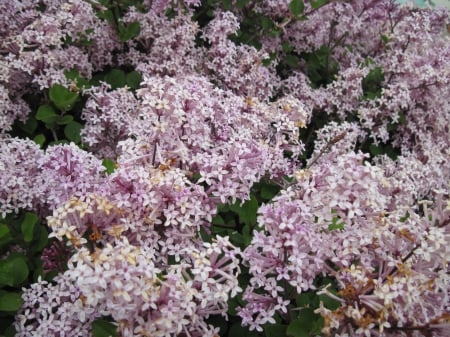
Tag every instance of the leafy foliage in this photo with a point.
(18, 269)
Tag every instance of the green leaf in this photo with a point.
(4, 230)
(287, 48)
(218, 322)
(109, 165)
(10, 301)
(304, 325)
(267, 23)
(134, 80)
(107, 15)
(237, 239)
(63, 120)
(5, 236)
(321, 67)
(247, 232)
(305, 299)
(10, 331)
(74, 75)
(41, 242)
(291, 60)
(385, 38)
(296, 7)
(218, 220)
(336, 223)
(116, 78)
(246, 212)
(226, 4)
(242, 3)
(27, 226)
(275, 330)
(104, 328)
(13, 270)
(329, 302)
(405, 217)
(39, 139)
(268, 191)
(29, 126)
(130, 31)
(375, 150)
(238, 330)
(72, 132)
(318, 3)
(46, 114)
(62, 97)
(372, 84)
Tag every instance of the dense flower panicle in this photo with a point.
(22, 12)
(154, 212)
(412, 178)
(20, 182)
(12, 109)
(191, 125)
(123, 281)
(38, 49)
(164, 46)
(380, 260)
(69, 172)
(160, 206)
(108, 116)
(234, 67)
(55, 309)
(300, 222)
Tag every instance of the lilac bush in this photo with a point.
(268, 168)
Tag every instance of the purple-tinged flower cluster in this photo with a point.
(54, 309)
(20, 183)
(108, 115)
(137, 285)
(188, 123)
(390, 264)
(212, 118)
(67, 172)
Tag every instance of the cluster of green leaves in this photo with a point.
(55, 119)
(239, 220)
(22, 239)
(57, 112)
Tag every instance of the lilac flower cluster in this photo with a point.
(137, 284)
(356, 235)
(54, 309)
(20, 182)
(212, 118)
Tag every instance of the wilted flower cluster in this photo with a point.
(344, 108)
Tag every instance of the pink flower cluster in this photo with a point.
(212, 118)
